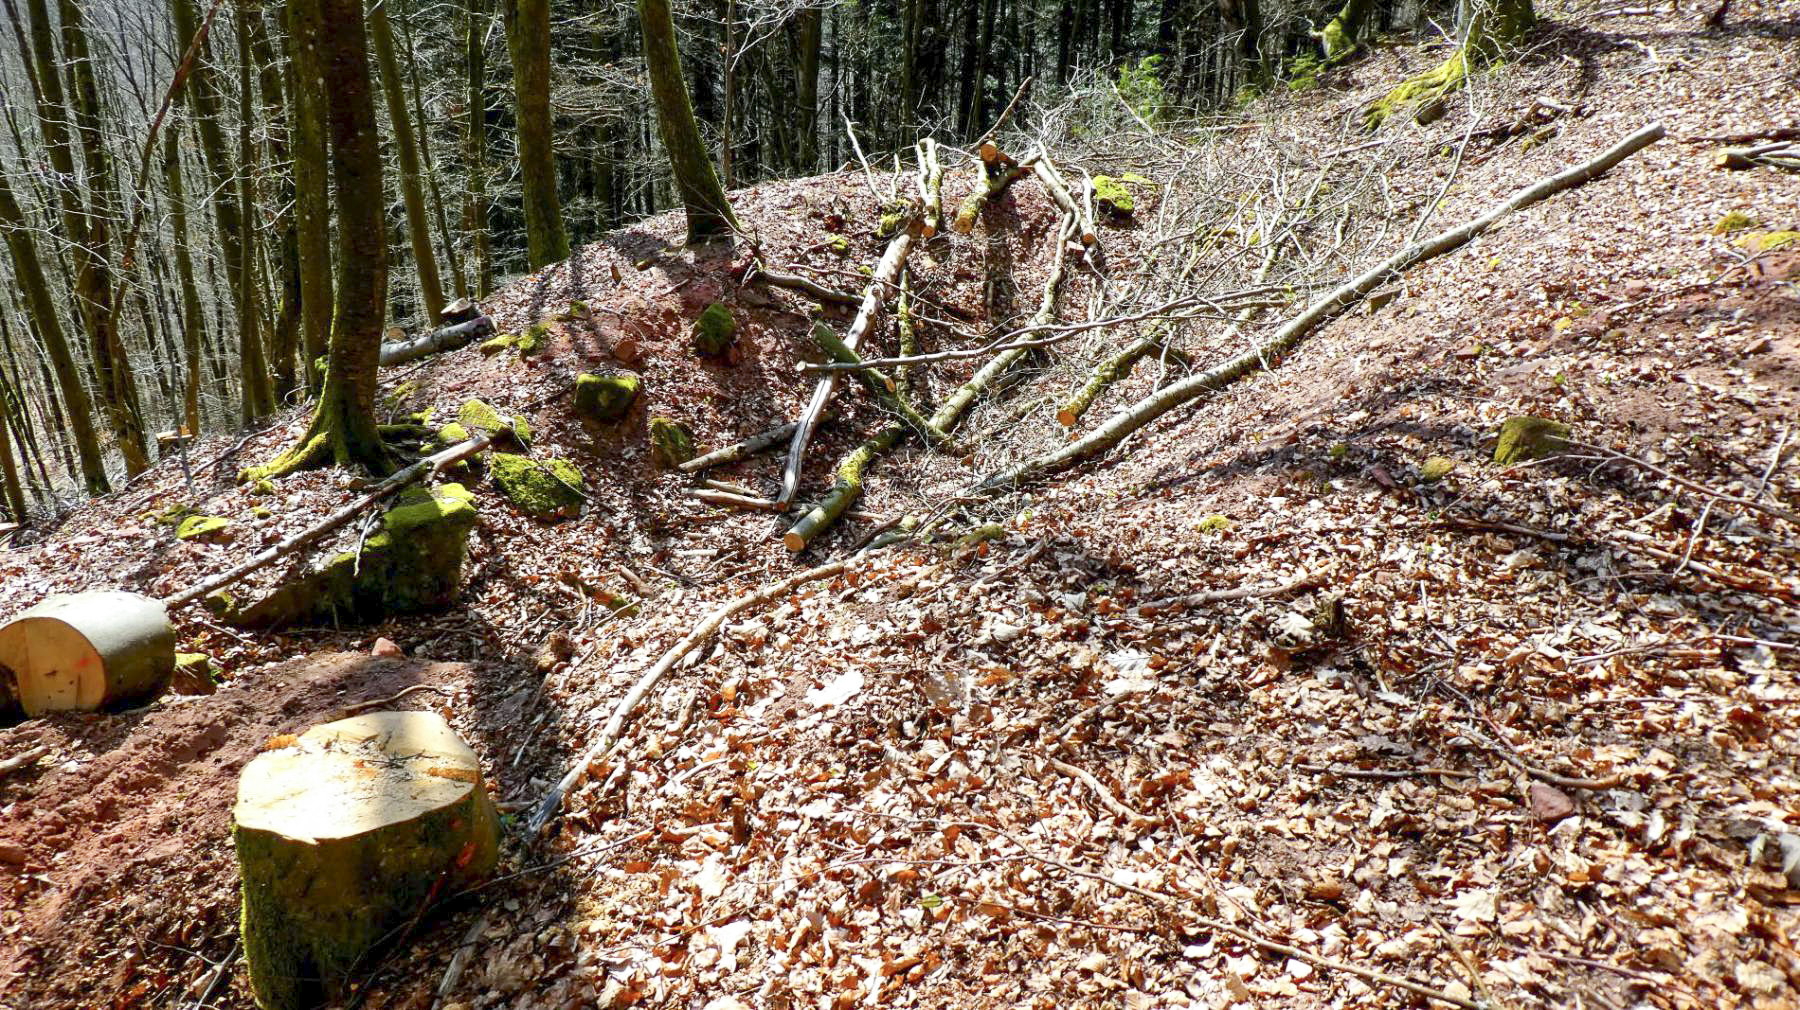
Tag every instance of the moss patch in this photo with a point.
(1436, 468)
(193, 674)
(1769, 241)
(605, 397)
(1733, 222)
(714, 331)
(534, 340)
(838, 244)
(1524, 437)
(497, 344)
(477, 415)
(414, 563)
(1214, 523)
(545, 489)
(194, 527)
(671, 442)
(1112, 196)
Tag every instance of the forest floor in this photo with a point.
(1014, 773)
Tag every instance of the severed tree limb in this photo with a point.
(931, 188)
(887, 270)
(881, 387)
(908, 333)
(1783, 155)
(447, 339)
(1129, 420)
(738, 450)
(996, 173)
(1059, 192)
(548, 807)
(1112, 370)
(424, 469)
(795, 282)
(18, 761)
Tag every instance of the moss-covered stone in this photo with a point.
(1769, 241)
(534, 340)
(1436, 468)
(544, 489)
(1733, 222)
(605, 397)
(477, 415)
(452, 433)
(714, 331)
(414, 563)
(194, 527)
(1214, 523)
(1525, 437)
(260, 512)
(494, 345)
(1112, 196)
(671, 442)
(193, 674)
(837, 244)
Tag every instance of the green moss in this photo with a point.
(605, 397)
(1338, 451)
(259, 512)
(194, 527)
(452, 433)
(543, 489)
(174, 514)
(1769, 241)
(979, 535)
(838, 244)
(1436, 468)
(413, 563)
(1427, 87)
(397, 396)
(1113, 196)
(671, 443)
(1524, 437)
(714, 331)
(494, 345)
(477, 415)
(1214, 523)
(193, 674)
(534, 340)
(580, 310)
(1733, 221)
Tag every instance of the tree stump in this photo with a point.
(345, 836)
(87, 650)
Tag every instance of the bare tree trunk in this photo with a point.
(708, 210)
(312, 199)
(528, 34)
(477, 209)
(418, 226)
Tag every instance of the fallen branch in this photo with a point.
(1106, 798)
(610, 733)
(931, 188)
(1783, 155)
(18, 761)
(738, 450)
(459, 961)
(879, 386)
(1132, 418)
(1752, 504)
(423, 469)
(447, 339)
(886, 271)
(1059, 192)
(396, 697)
(997, 172)
(1110, 371)
(795, 282)
(1306, 581)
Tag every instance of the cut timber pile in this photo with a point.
(345, 836)
(85, 651)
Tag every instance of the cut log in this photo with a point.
(1110, 371)
(931, 188)
(460, 311)
(85, 651)
(738, 450)
(997, 172)
(1059, 191)
(346, 836)
(449, 338)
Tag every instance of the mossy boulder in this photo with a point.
(1436, 468)
(605, 397)
(535, 340)
(193, 674)
(1769, 241)
(671, 442)
(495, 345)
(1113, 196)
(477, 415)
(714, 331)
(545, 489)
(413, 564)
(452, 433)
(1525, 437)
(1733, 222)
(195, 527)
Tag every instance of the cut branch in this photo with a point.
(996, 173)
(738, 450)
(794, 282)
(447, 339)
(1132, 418)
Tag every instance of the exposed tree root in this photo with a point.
(1129, 420)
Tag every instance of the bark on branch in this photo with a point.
(437, 341)
(1129, 420)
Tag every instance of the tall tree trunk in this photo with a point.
(28, 272)
(476, 143)
(412, 192)
(810, 24)
(193, 317)
(9, 471)
(708, 211)
(1343, 32)
(528, 36)
(312, 198)
(284, 342)
(343, 429)
(258, 397)
(965, 96)
(457, 276)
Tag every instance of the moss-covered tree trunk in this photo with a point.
(1343, 32)
(312, 197)
(475, 140)
(344, 430)
(28, 272)
(1490, 28)
(708, 210)
(406, 145)
(528, 38)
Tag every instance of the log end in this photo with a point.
(1067, 416)
(794, 542)
(84, 651)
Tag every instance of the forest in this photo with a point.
(945, 503)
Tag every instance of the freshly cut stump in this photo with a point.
(87, 650)
(345, 835)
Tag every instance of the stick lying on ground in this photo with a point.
(738, 450)
(447, 339)
(1129, 420)
(609, 734)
